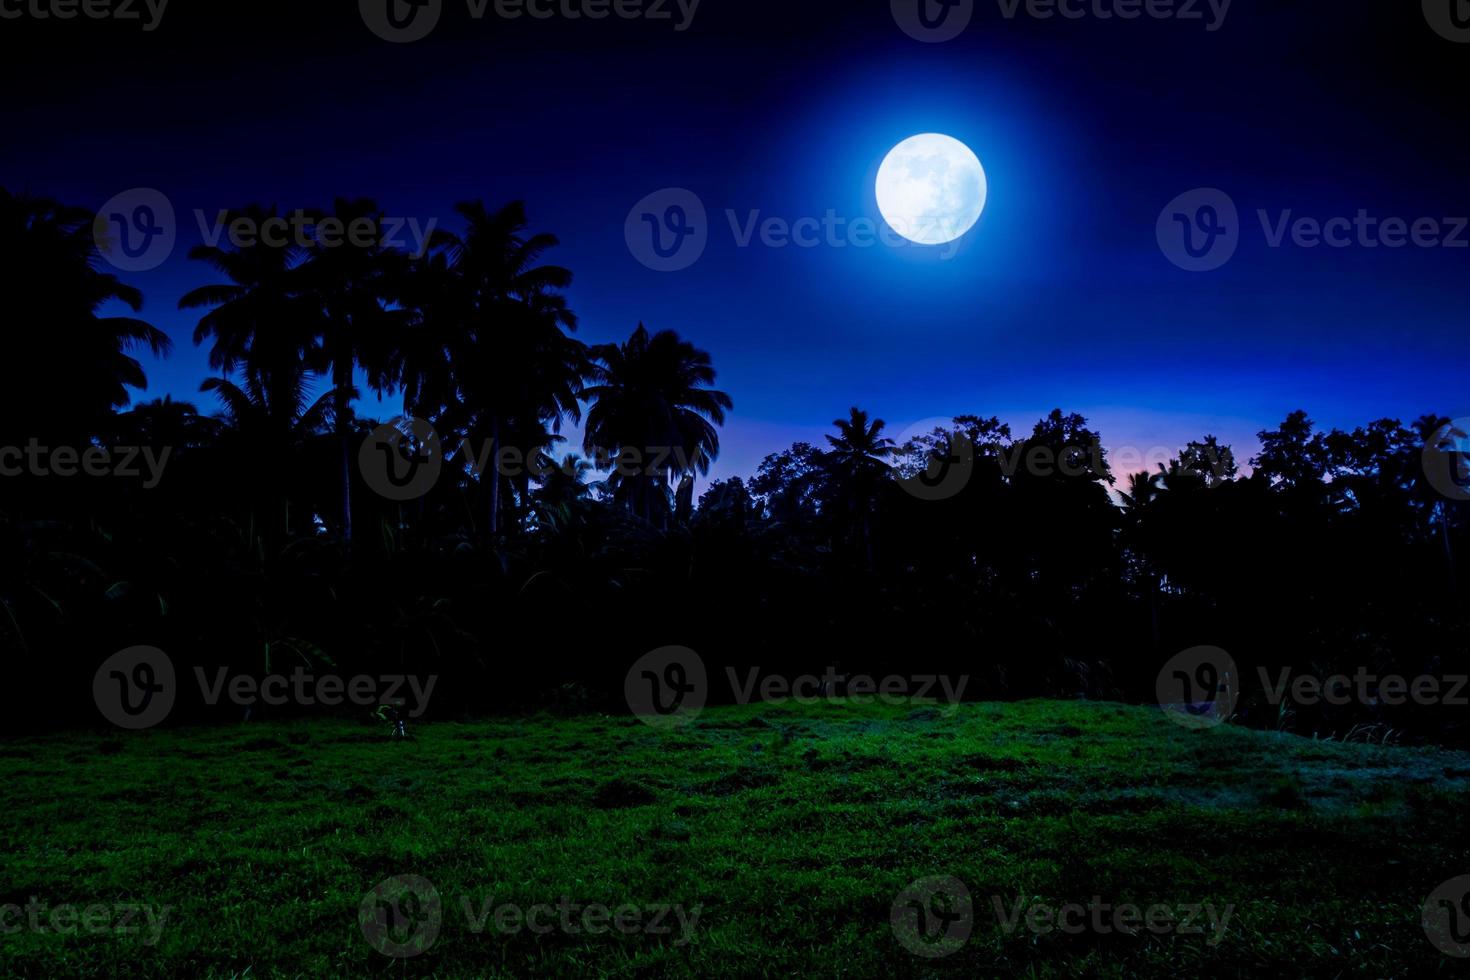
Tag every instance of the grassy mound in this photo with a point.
(775, 840)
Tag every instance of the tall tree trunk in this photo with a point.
(1153, 609)
(492, 471)
(1449, 554)
(342, 378)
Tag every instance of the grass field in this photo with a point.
(777, 840)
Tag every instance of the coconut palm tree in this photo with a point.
(488, 355)
(54, 291)
(165, 422)
(268, 423)
(565, 480)
(857, 464)
(259, 320)
(348, 284)
(650, 403)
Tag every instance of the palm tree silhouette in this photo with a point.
(650, 396)
(565, 481)
(269, 422)
(1434, 430)
(858, 463)
(165, 422)
(348, 284)
(53, 292)
(259, 320)
(488, 354)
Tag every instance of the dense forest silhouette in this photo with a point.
(262, 547)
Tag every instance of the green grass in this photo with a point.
(792, 829)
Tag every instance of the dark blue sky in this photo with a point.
(1061, 296)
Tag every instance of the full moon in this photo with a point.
(931, 189)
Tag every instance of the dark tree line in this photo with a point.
(262, 548)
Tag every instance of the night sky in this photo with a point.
(1060, 297)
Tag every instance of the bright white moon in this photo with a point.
(931, 189)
